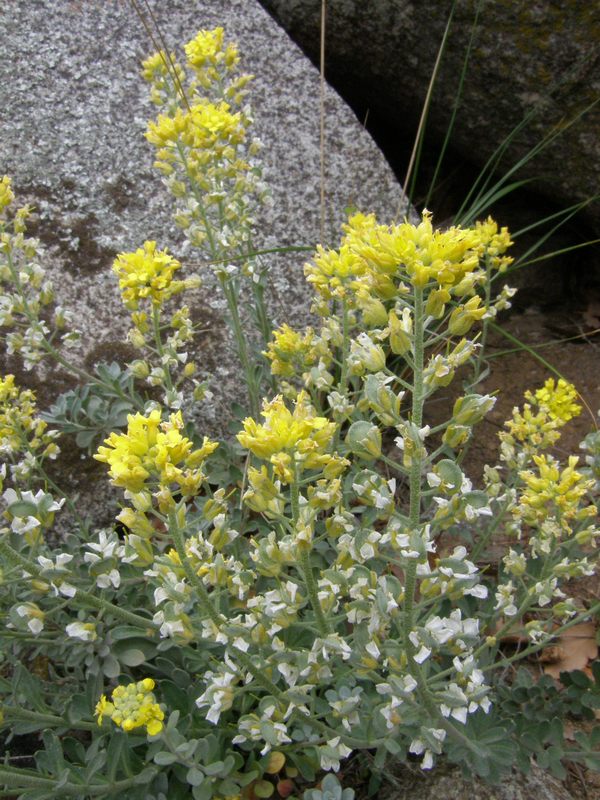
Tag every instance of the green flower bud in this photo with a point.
(139, 369)
(463, 316)
(400, 332)
(381, 399)
(364, 440)
(365, 355)
(436, 303)
(373, 312)
(472, 408)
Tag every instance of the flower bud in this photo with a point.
(136, 338)
(472, 408)
(60, 319)
(456, 436)
(364, 440)
(463, 316)
(373, 311)
(86, 631)
(400, 332)
(436, 303)
(139, 369)
(381, 399)
(365, 355)
(29, 614)
(138, 551)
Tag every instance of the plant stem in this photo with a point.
(415, 469)
(159, 346)
(203, 596)
(226, 284)
(483, 540)
(242, 347)
(305, 565)
(486, 321)
(415, 485)
(345, 342)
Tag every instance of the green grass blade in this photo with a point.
(525, 347)
(546, 256)
(455, 107)
(551, 343)
(422, 122)
(575, 207)
(492, 196)
(490, 167)
(536, 246)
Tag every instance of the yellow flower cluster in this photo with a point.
(155, 67)
(154, 450)
(205, 126)
(495, 243)
(208, 48)
(552, 492)
(537, 426)
(287, 438)
(291, 352)
(133, 706)
(202, 140)
(6, 192)
(21, 430)
(374, 260)
(558, 399)
(147, 274)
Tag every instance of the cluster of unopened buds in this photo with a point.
(27, 296)
(202, 137)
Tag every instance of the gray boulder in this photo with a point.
(541, 53)
(73, 111)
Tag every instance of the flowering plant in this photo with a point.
(263, 623)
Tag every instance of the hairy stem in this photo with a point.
(306, 568)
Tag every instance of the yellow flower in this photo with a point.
(147, 274)
(203, 127)
(154, 449)
(373, 260)
(551, 491)
(6, 192)
(494, 244)
(291, 353)
(21, 429)
(537, 426)
(558, 399)
(133, 706)
(332, 272)
(207, 49)
(299, 435)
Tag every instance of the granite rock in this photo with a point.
(73, 111)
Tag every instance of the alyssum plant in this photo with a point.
(272, 618)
